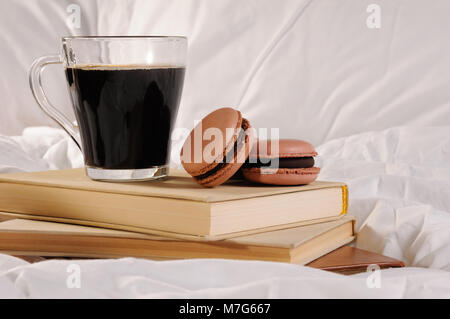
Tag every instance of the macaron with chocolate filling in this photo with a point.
(217, 147)
(292, 164)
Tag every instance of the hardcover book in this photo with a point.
(298, 245)
(349, 260)
(176, 207)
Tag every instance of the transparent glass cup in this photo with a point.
(125, 93)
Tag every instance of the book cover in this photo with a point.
(176, 207)
(294, 245)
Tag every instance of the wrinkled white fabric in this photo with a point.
(39, 148)
(213, 278)
(309, 67)
(399, 182)
(399, 185)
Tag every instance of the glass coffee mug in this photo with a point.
(125, 93)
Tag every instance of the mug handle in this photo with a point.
(39, 95)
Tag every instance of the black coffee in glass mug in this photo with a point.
(125, 93)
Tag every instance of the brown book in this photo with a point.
(350, 260)
(177, 207)
(297, 245)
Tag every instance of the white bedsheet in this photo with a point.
(310, 67)
(399, 181)
(399, 184)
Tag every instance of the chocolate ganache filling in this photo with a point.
(231, 155)
(294, 162)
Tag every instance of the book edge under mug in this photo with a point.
(23, 178)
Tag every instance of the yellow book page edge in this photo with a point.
(344, 199)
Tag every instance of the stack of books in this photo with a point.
(64, 213)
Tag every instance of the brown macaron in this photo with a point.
(291, 164)
(217, 147)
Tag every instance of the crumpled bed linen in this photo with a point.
(399, 183)
(209, 278)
